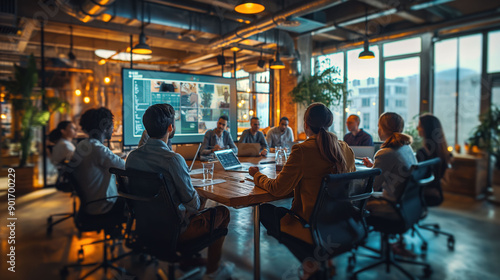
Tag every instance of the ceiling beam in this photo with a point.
(403, 14)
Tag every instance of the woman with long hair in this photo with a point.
(62, 137)
(394, 158)
(434, 142)
(321, 154)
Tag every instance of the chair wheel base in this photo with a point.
(427, 272)
(451, 243)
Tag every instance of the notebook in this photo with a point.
(248, 149)
(230, 162)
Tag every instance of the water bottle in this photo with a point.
(280, 159)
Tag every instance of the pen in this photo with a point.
(267, 162)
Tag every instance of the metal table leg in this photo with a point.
(256, 242)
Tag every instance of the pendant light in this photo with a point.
(142, 47)
(366, 53)
(278, 64)
(249, 7)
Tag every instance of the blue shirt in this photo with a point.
(155, 156)
(361, 139)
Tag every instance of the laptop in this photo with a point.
(230, 162)
(363, 151)
(188, 152)
(248, 149)
(199, 170)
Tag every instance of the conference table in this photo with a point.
(239, 192)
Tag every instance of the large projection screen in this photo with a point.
(198, 101)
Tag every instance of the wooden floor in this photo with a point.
(476, 226)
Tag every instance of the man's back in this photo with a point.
(155, 156)
(91, 162)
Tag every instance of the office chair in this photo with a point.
(433, 197)
(337, 223)
(110, 223)
(409, 208)
(157, 223)
(63, 186)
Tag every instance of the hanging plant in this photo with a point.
(324, 87)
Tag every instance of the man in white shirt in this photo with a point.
(281, 135)
(92, 160)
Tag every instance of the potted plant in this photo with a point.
(324, 87)
(486, 137)
(28, 111)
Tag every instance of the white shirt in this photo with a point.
(219, 140)
(91, 162)
(275, 138)
(62, 150)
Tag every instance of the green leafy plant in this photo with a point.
(486, 136)
(27, 105)
(324, 87)
(413, 132)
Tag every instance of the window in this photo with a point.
(372, 90)
(403, 76)
(371, 81)
(400, 103)
(387, 90)
(366, 121)
(362, 70)
(401, 47)
(400, 90)
(365, 102)
(321, 63)
(458, 107)
(493, 53)
(355, 83)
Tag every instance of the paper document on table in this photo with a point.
(201, 183)
(196, 171)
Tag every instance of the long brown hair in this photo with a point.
(434, 139)
(393, 124)
(319, 118)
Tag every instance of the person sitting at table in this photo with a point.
(62, 137)
(218, 138)
(434, 142)
(281, 135)
(356, 136)
(155, 156)
(394, 158)
(92, 160)
(254, 135)
(321, 154)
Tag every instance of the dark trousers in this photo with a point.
(199, 225)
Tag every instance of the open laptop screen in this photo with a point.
(194, 159)
(227, 159)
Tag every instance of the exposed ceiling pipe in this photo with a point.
(85, 11)
(271, 21)
(488, 16)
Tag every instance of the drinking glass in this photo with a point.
(208, 171)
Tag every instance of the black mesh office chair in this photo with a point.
(111, 223)
(409, 208)
(62, 186)
(433, 197)
(157, 223)
(337, 223)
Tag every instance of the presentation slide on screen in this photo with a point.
(198, 102)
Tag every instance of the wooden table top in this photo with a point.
(237, 192)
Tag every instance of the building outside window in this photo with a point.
(366, 121)
(365, 102)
